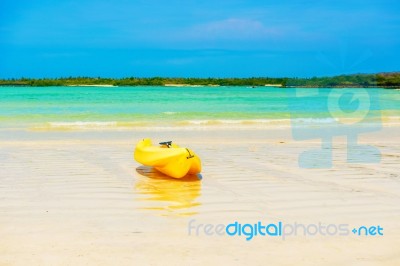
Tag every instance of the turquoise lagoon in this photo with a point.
(129, 107)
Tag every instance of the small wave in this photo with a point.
(237, 122)
(326, 120)
(170, 113)
(82, 124)
(193, 124)
(334, 123)
(162, 124)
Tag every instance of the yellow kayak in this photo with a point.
(168, 158)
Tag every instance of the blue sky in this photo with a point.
(209, 38)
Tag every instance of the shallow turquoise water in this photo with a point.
(164, 105)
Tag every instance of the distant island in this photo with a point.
(386, 80)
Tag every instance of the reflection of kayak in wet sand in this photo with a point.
(165, 195)
(168, 158)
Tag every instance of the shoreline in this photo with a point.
(92, 85)
(189, 85)
(197, 124)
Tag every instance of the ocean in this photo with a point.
(132, 107)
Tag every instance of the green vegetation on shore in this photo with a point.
(390, 80)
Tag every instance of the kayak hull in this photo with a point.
(173, 160)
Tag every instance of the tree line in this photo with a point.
(357, 80)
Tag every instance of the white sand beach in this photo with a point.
(79, 198)
(93, 85)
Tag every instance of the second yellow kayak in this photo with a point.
(168, 158)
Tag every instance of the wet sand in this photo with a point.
(78, 198)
